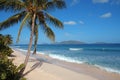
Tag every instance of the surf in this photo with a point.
(75, 49)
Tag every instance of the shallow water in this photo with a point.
(104, 56)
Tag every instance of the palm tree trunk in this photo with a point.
(30, 44)
(31, 39)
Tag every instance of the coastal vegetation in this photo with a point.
(8, 71)
(4, 42)
(34, 14)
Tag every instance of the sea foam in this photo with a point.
(75, 49)
(107, 69)
(63, 58)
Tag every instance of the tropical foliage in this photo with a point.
(9, 71)
(34, 14)
(5, 50)
(4, 42)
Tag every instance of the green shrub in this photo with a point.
(9, 71)
(5, 40)
(5, 50)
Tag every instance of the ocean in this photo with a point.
(103, 56)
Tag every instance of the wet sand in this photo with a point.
(47, 68)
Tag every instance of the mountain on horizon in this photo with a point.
(70, 42)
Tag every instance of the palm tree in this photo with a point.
(7, 40)
(35, 14)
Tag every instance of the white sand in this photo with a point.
(46, 71)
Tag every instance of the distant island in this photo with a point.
(79, 42)
(101, 43)
(70, 42)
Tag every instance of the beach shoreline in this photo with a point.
(76, 69)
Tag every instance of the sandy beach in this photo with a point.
(46, 68)
(67, 39)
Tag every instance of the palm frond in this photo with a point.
(41, 17)
(55, 4)
(59, 4)
(40, 3)
(12, 20)
(54, 21)
(48, 31)
(11, 5)
(22, 24)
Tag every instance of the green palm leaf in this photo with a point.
(59, 3)
(11, 5)
(12, 20)
(48, 31)
(55, 4)
(54, 21)
(22, 24)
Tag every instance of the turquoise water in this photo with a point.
(104, 56)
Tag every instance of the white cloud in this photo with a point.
(70, 22)
(81, 22)
(106, 15)
(74, 2)
(100, 1)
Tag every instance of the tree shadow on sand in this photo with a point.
(38, 63)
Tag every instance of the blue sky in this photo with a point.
(84, 20)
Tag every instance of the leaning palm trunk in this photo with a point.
(30, 44)
(34, 13)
